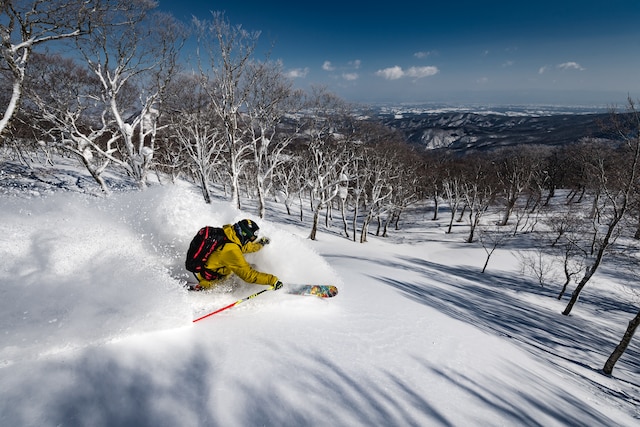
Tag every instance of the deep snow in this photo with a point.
(97, 331)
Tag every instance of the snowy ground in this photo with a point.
(96, 330)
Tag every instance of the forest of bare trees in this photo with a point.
(101, 81)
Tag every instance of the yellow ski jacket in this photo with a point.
(230, 259)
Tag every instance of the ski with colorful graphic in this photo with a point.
(322, 291)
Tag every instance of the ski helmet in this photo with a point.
(246, 230)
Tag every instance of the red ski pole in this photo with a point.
(234, 304)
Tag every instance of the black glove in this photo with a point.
(277, 286)
(264, 241)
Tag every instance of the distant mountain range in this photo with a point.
(465, 130)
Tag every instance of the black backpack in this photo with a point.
(203, 244)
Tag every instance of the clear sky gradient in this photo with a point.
(563, 52)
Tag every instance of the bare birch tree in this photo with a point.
(133, 52)
(225, 52)
(567, 234)
(64, 94)
(28, 24)
(288, 181)
(405, 191)
(193, 127)
(270, 100)
(622, 345)
(515, 169)
(492, 237)
(327, 148)
(616, 175)
(453, 189)
(380, 174)
(478, 190)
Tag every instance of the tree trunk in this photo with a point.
(454, 208)
(355, 220)
(552, 192)
(567, 275)
(436, 207)
(564, 289)
(314, 225)
(511, 203)
(486, 263)
(464, 209)
(16, 94)
(343, 208)
(205, 188)
(301, 203)
(397, 220)
(97, 176)
(577, 290)
(327, 215)
(235, 184)
(262, 205)
(622, 346)
(473, 222)
(387, 222)
(364, 231)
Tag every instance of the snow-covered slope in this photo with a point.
(96, 330)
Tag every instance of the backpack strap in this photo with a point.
(209, 275)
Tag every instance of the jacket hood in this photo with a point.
(230, 231)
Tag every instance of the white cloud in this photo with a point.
(543, 69)
(422, 54)
(396, 72)
(297, 73)
(508, 64)
(420, 72)
(391, 73)
(327, 66)
(350, 76)
(351, 65)
(570, 66)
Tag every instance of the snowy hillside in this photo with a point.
(96, 329)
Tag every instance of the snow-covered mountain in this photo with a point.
(485, 130)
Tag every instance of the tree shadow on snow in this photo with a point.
(45, 179)
(103, 388)
(522, 408)
(492, 302)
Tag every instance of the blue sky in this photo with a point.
(563, 52)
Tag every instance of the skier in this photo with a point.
(241, 238)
